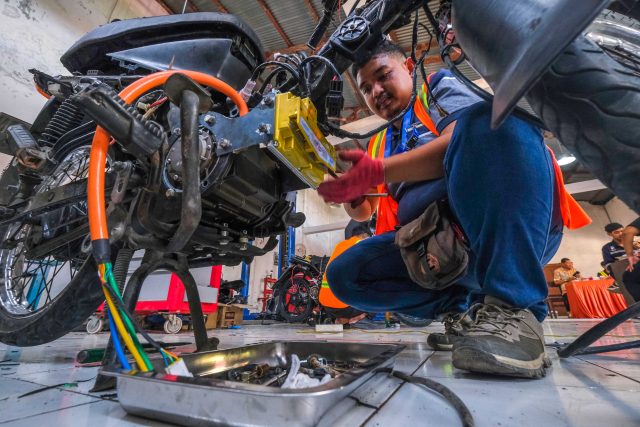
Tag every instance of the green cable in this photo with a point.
(127, 322)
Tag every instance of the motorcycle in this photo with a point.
(194, 175)
(297, 291)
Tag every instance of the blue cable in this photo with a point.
(165, 359)
(116, 342)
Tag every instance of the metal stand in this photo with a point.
(581, 345)
(151, 262)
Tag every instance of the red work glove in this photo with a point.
(365, 173)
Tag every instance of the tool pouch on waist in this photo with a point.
(433, 248)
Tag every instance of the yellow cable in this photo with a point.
(124, 334)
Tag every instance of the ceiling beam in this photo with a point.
(312, 10)
(274, 22)
(165, 7)
(192, 7)
(219, 5)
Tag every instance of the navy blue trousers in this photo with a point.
(501, 185)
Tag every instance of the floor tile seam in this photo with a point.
(395, 391)
(607, 369)
(48, 412)
(64, 389)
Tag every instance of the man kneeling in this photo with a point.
(503, 186)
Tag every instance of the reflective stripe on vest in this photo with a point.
(387, 207)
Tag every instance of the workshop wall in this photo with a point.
(35, 34)
(319, 213)
(584, 246)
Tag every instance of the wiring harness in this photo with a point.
(123, 324)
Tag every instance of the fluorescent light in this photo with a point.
(566, 160)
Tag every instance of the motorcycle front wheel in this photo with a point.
(590, 99)
(46, 296)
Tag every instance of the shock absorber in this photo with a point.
(66, 118)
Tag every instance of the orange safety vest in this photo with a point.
(327, 299)
(573, 216)
(387, 207)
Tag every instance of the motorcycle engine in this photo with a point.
(239, 190)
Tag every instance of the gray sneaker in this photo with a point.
(455, 327)
(504, 340)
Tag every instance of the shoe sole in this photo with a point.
(476, 360)
(431, 342)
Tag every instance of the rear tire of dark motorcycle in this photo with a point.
(304, 315)
(591, 103)
(79, 300)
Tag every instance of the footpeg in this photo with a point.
(26, 149)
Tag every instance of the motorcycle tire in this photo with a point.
(590, 101)
(304, 314)
(69, 308)
(414, 322)
(79, 300)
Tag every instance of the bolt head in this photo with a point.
(275, 143)
(170, 192)
(223, 242)
(209, 119)
(177, 131)
(243, 247)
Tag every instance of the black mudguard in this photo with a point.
(512, 43)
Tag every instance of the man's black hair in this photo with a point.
(563, 260)
(387, 48)
(610, 228)
(359, 230)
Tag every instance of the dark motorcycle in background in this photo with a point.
(194, 180)
(296, 292)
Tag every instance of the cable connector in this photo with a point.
(334, 101)
(247, 89)
(179, 368)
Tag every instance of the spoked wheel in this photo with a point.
(297, 304)
(48, 280)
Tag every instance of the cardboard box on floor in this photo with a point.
(227, 315)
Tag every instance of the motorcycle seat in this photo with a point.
(91, 51)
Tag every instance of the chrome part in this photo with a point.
(175, 399)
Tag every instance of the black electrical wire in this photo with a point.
(452, 398)
(271, 75)
(118, 302)
(335, 130)
(259, 68)
(323, 59)
(517, 112)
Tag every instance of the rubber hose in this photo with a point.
(452, 398)
(121, 267)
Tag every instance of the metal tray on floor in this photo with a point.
(201, 401)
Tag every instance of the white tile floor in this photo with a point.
(599, 390)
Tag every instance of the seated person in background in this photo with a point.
(631, 277)
(564, 274)
(613, 251)
(343, 313)
(603, 272)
